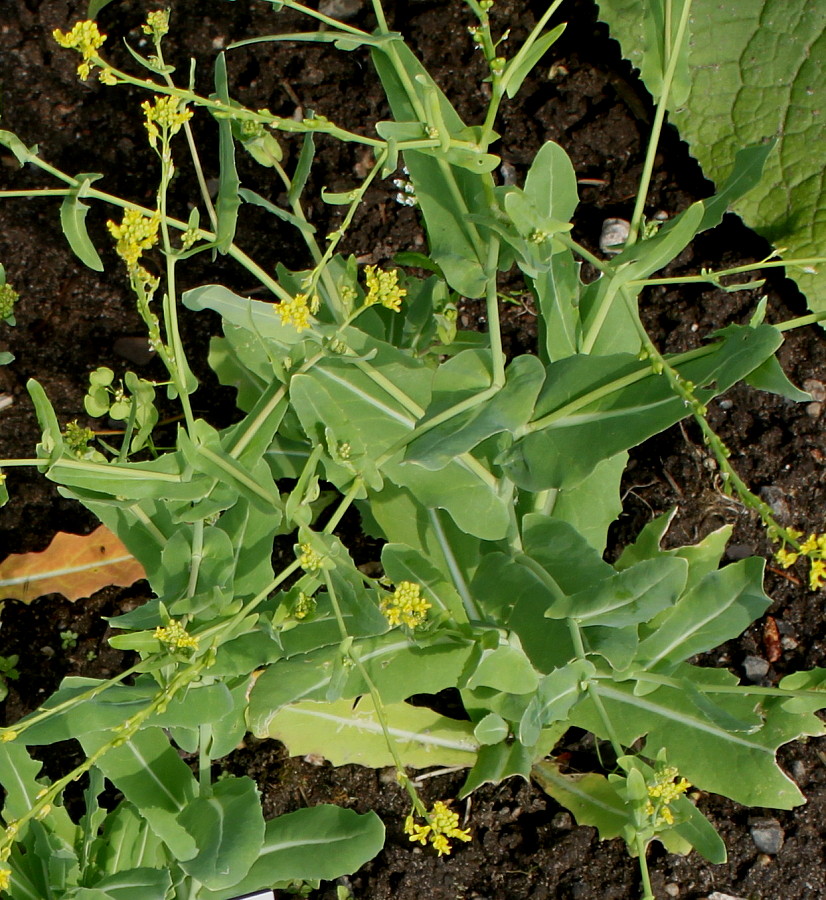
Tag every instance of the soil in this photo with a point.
(71, 320)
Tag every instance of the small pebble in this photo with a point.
(767, 835)
(339, 9)
(724, 404)
(755, 667)
(776, 499)
(508, 173)
(739, 551)
(673, 890)
(562, 821)
(813, 410)
(718, 896)
(614, 235)
(816, 388)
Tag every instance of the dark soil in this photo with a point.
(71, 320)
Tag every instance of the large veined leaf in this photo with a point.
(737, 764)
(756, 72)
(344, 733)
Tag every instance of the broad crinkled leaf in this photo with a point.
(74, 565)
(757, 71)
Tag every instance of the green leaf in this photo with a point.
(95, 6)
(228, 827)
(128, 842)
(770, 377)
(73, 222)
(358, 407)
(151, 775)
(457, 381)
(757, 73)
(135, 884)
(745, 175)
(302, 169)
(447, 195)
(593, 407)
(551, 181)
(732, 763)
(323, 842)
(491, 729)
(228, 201)
(591, 798)
(557, 293)
(556, 694)
(249, 196)
(345, 733)
(626, 598)
(720, 607)
(594, 504)
(522, 64)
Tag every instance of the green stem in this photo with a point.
(673, 55)
(641, 847)
(378, 704)
(492, 309)
(344, 504)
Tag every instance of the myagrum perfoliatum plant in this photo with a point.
(491, 482)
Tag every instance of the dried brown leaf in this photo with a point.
(74, 565)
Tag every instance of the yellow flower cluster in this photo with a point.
(8, 297)
(405, 606)
(814, 547)
(662, 793)
(175, 636)
(164, 118)
(296, 312)
(5, 879)
(157, 24)
(309, 560)
(383, 287)
(442, 823)
(86, 39)
(135, 234)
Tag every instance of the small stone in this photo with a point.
(813, 410)
(562, 821)
(508, 173)
(718, 896)
(756, 668)
(767, 835)
(673, 890)
(776, 499)
(614, 235)
(816, 388)
(739, 551)
(725, 404)
(339, 9)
